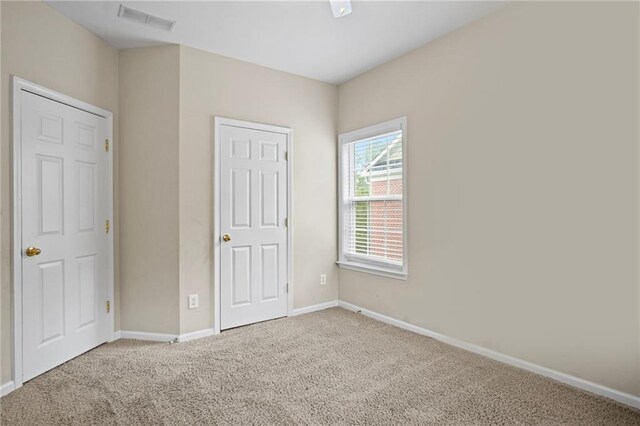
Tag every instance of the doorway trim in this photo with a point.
(218, 123)
(17, 86)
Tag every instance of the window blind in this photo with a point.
(373, 226)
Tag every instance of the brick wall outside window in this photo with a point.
(386, 220)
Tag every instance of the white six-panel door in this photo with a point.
(253, 209)
(64, 204)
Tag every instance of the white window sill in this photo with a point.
(371, 269)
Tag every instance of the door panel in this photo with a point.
(51, 306)
(64, 198)
(269, 198)
(49, 128)
(253, 197)
(86, 289)
(240, 198)
(241, 275)
(50, 177)
(269, 272)
(87, 201)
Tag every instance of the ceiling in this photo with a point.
(300, 37)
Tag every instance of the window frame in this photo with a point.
(349, 261)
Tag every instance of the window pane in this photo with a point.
(375, 229)
(377, 162)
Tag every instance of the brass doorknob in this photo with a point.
(32, 251)
(226, 238)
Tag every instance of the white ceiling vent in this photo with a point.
(145, 18)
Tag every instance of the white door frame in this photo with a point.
(17, 86)
(219, 122)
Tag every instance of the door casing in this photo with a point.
(219, 122)
(19, 85)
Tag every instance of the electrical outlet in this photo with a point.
(193, 301)
(323, 279)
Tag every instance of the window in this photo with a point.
(373, 199)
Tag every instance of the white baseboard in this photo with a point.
(160, 337)
(313, 308)
(207, 332)
(141, 335)
(7, 388)
(616, 395)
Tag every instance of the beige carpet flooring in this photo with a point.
(328, 367)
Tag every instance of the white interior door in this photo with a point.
(64, 207)
(253, 208)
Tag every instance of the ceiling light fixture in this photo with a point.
(340, 8)
(144, 18)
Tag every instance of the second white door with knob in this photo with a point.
(63, 182)
(253, 224)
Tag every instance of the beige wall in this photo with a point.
(523, 186)
(166, 166)
(149, 135)
(213, 85)
(42, 46)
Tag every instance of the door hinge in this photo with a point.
(108, 306)
(287, 288)
(286, 221)
(107, 226)
(286, 156)
(106, 145)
